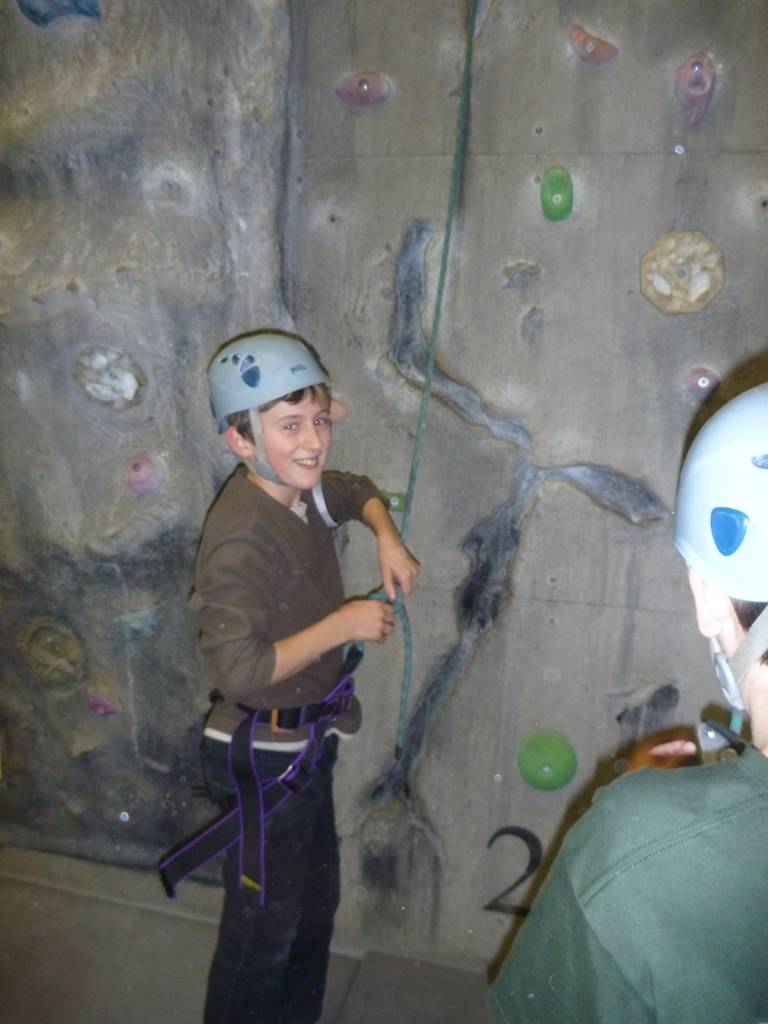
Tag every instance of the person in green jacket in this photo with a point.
(656, 907)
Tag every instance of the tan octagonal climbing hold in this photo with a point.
(53, 652)
(682, 272)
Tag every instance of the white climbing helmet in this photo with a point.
(721, 522)
(721, 519)
(256, 369)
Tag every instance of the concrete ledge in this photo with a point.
(84, 943)
(395, 990)
(130, 887)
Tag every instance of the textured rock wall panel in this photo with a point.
(140, 183)
(551, 597)
(142, 178)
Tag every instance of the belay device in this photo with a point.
(257, 798)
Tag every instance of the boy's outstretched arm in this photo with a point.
(397, 565)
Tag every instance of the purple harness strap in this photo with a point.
(256, 798)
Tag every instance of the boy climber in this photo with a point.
(273, 627)
(656, 908)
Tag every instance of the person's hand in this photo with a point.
(367, 620)
(397, 567)
(669, 748)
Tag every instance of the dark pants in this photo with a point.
(270, 963)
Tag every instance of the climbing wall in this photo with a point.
(175, 173)
(605, 290)
(140, 190)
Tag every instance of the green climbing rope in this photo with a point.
(457, 174)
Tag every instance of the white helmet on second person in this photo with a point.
(721, 518)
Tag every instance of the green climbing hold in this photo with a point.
(547, 760)
(394, 499)
(556, 193)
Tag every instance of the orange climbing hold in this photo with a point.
(589, 47)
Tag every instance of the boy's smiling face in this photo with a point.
(297, 439)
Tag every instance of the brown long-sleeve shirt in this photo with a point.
(263, 574)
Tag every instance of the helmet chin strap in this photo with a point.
(261, 466)
(731, 671)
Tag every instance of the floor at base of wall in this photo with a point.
(85, 943)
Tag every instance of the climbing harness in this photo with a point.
(258, 798)
(457, 175)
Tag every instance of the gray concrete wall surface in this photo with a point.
(551, 358)
(174, 174)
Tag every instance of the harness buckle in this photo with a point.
(296, 777)
(273, 722)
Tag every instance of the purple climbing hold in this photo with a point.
(701, 382)
(100, 705)
(144, 473)
(364, 89)
(695, 83)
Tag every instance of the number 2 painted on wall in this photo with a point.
(535, 853)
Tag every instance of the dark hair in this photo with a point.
(241, 421)
(747, 612)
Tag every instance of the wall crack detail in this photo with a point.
(491, 544)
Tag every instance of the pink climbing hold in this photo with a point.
(364, 89)
(100, 705)
(701, 382)
(144, 474)
(694, 84)
(589, 47)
